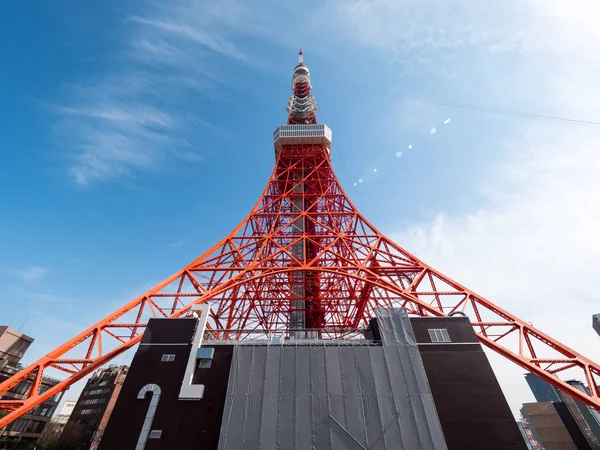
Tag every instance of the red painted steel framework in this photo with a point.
(304, 251)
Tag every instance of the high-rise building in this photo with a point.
(542, 390)
(596, 323)
(555, 427)
(411, 384)
(13, 346)
(592, 415)
(586, 418)
(530, 440)
(90, 414)
(30, 426)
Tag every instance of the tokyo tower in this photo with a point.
(303, 264)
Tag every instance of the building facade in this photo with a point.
(530, 439)
(60, 419)
(591, 415)
(542, 390)
(65, 412)
(404, 387)
(596, 323)
(555, 427)
(88, 419)
(13, 346)
(587, 419)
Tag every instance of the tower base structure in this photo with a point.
(408, 385)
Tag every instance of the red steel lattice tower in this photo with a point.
(306, 263)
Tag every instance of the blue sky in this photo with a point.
(136, 134)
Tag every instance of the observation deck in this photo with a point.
(309, 134)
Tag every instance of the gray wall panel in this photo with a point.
(327, 396)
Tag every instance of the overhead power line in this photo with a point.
(488, 109)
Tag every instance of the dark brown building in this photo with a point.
(471, 406)
(90, 415)
(431, 388)
(13, 346)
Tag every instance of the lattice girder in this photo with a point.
(247, 279)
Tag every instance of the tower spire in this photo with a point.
(302, 106)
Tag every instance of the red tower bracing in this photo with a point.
(304, 263)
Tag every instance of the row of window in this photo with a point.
(24, 386)
(439, 335)
(85, 412)
(93, 401)
(301, 133)
(45, 411)
(204, 355)
(26, 426)
(98, 391)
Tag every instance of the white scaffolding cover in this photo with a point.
(325, 395)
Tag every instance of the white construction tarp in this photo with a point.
(325, 395)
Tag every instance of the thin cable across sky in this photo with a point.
(488, 109)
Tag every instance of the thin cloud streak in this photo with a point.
(134, 119)
(28, 274)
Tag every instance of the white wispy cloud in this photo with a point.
(134, 117)
(178, 29)
(177, 243)
(29, 274)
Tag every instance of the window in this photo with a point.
(98, 391)
(204, 363)
(439, 335)
(44, 411)
(17, 425)
(21, 388)
(168, 358)
(205, 356)
(155, 434)
(34, 426)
